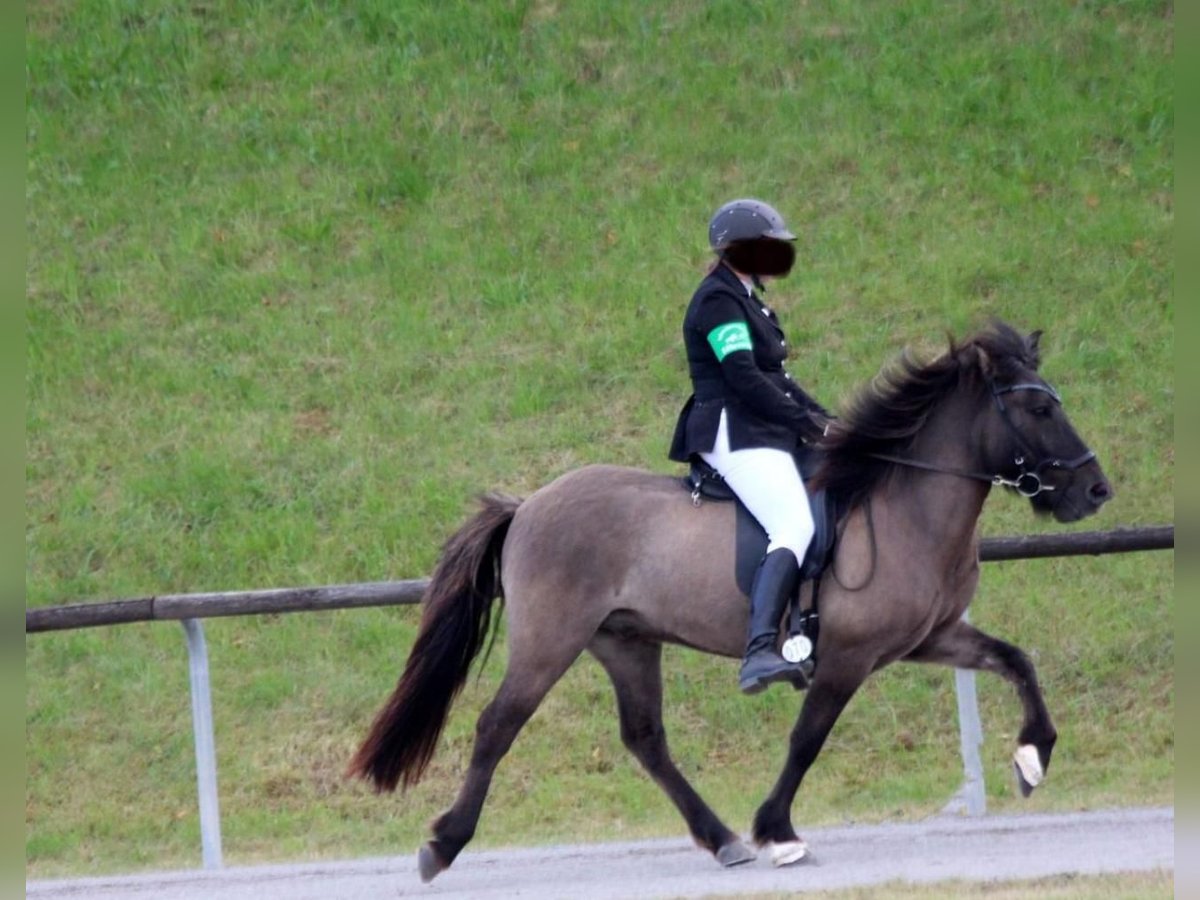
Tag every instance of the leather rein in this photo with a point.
(1028, 482)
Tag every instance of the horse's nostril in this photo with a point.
(1100, 491)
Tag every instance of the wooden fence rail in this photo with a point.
(174, 607)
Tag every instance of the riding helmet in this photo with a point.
(753, 237)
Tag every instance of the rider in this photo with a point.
(746, 415)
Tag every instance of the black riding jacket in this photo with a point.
(735, 352)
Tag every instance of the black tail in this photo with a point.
(454, 624)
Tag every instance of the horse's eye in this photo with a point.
(1042, 411)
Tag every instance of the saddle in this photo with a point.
(705, 483)
(750, 540)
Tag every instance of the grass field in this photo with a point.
(304, 278)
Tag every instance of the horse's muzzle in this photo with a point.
(1082, 496)
(1100, 492)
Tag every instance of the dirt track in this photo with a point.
(992, 848)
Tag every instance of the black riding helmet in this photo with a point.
(753, 238)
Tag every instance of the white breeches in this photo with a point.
(766, 481)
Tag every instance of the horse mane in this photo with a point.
(890, 411)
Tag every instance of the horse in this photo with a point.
(616, 561)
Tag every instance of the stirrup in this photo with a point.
(797, 675)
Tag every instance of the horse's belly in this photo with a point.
(628, 549)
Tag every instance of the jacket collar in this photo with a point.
(726, 276)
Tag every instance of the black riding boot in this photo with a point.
(774, 587)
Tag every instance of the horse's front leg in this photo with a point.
(828, 695)
(965, 647)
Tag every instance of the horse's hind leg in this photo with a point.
(635, 667)
(966, 647)
(533, 668)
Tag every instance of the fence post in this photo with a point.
(970, 735)
(206, 756)
(972, 796)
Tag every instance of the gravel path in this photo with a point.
(986, 849)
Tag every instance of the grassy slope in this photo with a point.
(303, 278)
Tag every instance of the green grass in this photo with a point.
(304, 278)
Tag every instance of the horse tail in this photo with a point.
(455, 620)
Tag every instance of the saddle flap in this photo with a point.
(824, 536)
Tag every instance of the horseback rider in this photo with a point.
(747, 416)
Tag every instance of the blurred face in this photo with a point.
(764, 257)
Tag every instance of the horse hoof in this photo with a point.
(735, 853)
(788, 852)
(428, 863)
(1028, 766)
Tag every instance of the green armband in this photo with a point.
(730, 337)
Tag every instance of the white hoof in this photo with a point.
(1029, 764)
(787, 853)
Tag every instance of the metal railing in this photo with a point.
(189, 609)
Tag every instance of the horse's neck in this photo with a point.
(939, 508)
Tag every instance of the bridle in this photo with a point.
(1028, 482)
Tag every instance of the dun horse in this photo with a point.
(617, 561)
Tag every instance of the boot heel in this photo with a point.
(752, 687)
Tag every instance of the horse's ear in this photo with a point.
(1031, 343)
(983, 359)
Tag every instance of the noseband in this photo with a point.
(1028, 482)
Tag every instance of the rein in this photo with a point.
(1028, 482)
